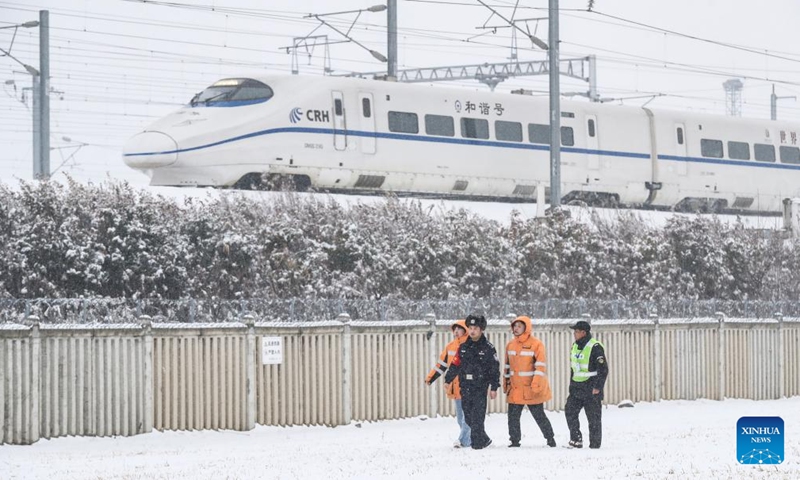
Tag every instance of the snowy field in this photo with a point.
(674, 440)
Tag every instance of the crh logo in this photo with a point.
(759, 440)
(295, 115)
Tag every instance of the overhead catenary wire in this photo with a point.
(108, 58)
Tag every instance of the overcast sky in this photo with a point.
(117, 65)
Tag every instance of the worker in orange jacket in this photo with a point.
(525, 381)
(459, 329)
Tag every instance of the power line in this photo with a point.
(701, 39)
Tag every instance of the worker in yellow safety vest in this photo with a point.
(587, 380)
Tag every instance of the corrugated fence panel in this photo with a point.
(752, 361)
(737, 365)
(791, 352)
(91, 385)
(689, 362)
(791, 361)
(16, 377)
(388, 374)
(630, 358)
(306, 387)
(199, 380)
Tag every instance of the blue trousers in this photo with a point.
(464, 435)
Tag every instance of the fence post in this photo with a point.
(657, 366)
(250, 362)
(721, 349)
(32, 429)
(147, 372)
(433, 396)
(781, 361)
(347, 370)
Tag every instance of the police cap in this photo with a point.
(476, 321)
(582, 325)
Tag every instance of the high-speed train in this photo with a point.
(356, 135)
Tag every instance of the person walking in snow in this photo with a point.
(525, 381)
(478, 370)
(453, 391)
(589, 373)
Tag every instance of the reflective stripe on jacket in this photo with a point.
(525, 373)
(445, 359)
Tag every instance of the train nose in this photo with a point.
(150, 149)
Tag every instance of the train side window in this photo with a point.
(680, 136)
(403, 122)
(764, 153)
(508, 131)
(567, 137)
(538, 133)
(337, 107)
(739, 150)
(790, 155)
(474, 128)
(711, 148)
(366, 107)
(591, 127)
(440, 125)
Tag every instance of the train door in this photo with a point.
(592, 142)
(367, 122)
(680, 149)
(339, 124)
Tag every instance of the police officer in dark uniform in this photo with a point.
(478, 370)
(589, 372)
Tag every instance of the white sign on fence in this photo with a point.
(271, 350)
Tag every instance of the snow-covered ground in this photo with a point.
(497, 211)
(676, 439)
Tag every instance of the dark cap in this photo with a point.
(476, 321)
(582, 325)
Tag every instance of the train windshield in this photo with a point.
(233, 92)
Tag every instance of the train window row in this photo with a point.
(741, 151)
(444, 126)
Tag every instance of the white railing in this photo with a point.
(102, 380)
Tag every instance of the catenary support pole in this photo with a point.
(555, 108)
(392, 39)
(44, 92)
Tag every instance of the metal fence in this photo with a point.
(122, 310)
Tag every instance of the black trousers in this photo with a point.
(594, 412)
(514, 413)
(473, 401)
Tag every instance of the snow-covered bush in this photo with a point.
(114, 241)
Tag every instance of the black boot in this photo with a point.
(551, 442)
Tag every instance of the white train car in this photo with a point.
(346, 134)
